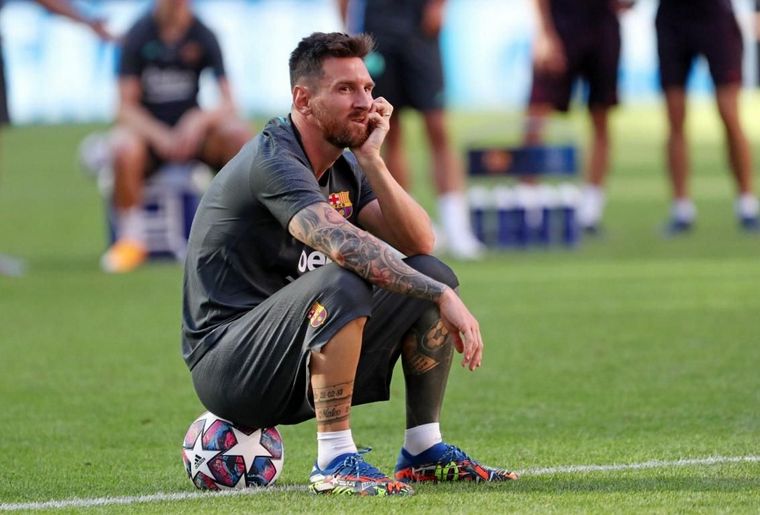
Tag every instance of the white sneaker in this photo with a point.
(465, 247)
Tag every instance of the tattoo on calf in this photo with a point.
(415, 362)
(421, 352)
(436, 337)
(426, 352)
(333, 403)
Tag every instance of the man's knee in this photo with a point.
(354, 291)
(434, 268)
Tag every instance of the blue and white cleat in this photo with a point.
(349, 474)
(749, 224)
(676, 227)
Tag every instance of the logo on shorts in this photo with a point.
(341, 203)
(317, 315)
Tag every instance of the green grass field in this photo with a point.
(629, 349)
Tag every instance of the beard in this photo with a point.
(340, 133)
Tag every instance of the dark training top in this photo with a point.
(580, 13)
(392, 17)
(695, 9)
(240, 251)
(169, 73)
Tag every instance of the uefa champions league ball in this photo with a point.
(219, 455)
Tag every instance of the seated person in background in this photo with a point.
(407, 68)
(159, 119)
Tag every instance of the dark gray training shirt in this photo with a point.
(169, 73)
(240, 251)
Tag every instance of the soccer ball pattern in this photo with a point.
(219, 455)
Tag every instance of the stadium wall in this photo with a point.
(58, 72)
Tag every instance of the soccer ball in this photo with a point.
(219, 455)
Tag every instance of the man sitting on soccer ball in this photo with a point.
(295, 303)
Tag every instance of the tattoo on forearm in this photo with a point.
(320, 227)
(333, 403)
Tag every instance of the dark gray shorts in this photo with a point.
(257, 375)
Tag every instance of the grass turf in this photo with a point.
(628, 349)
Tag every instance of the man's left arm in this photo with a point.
(65, 8)
(394, 216)
(432, 18)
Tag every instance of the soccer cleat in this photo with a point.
(349, 474)
(676, 227)
(123, 256)
(444, 462)
(465, 248)
(592, 230)
(749, 224)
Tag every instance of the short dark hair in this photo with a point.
(306, 59)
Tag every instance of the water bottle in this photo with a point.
(506, 216)
(528, 214)
(480, 205)
(569, 198)
(547, 203)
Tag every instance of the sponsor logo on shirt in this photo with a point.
(317, 315)
(312, 260)
(341, 203)
(167, 85)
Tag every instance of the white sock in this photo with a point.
(591, 206)
(746, 206)
(130, 224)
(683, 210)
(332, 444)
(454, 215)
(421, 438)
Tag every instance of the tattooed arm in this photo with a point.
(323, 229)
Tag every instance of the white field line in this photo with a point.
(653, 464)
(182, 496)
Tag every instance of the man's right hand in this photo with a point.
(165, 145)
(189, 134)
(379, 123)
(463, 327)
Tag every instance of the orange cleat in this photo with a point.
(123, 256)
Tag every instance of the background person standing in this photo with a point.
(11, 265)
(408, 71)
(687, 29)
(578, 41)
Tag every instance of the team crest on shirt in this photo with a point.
(317, 315)
(191, 53)
(341, 203)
